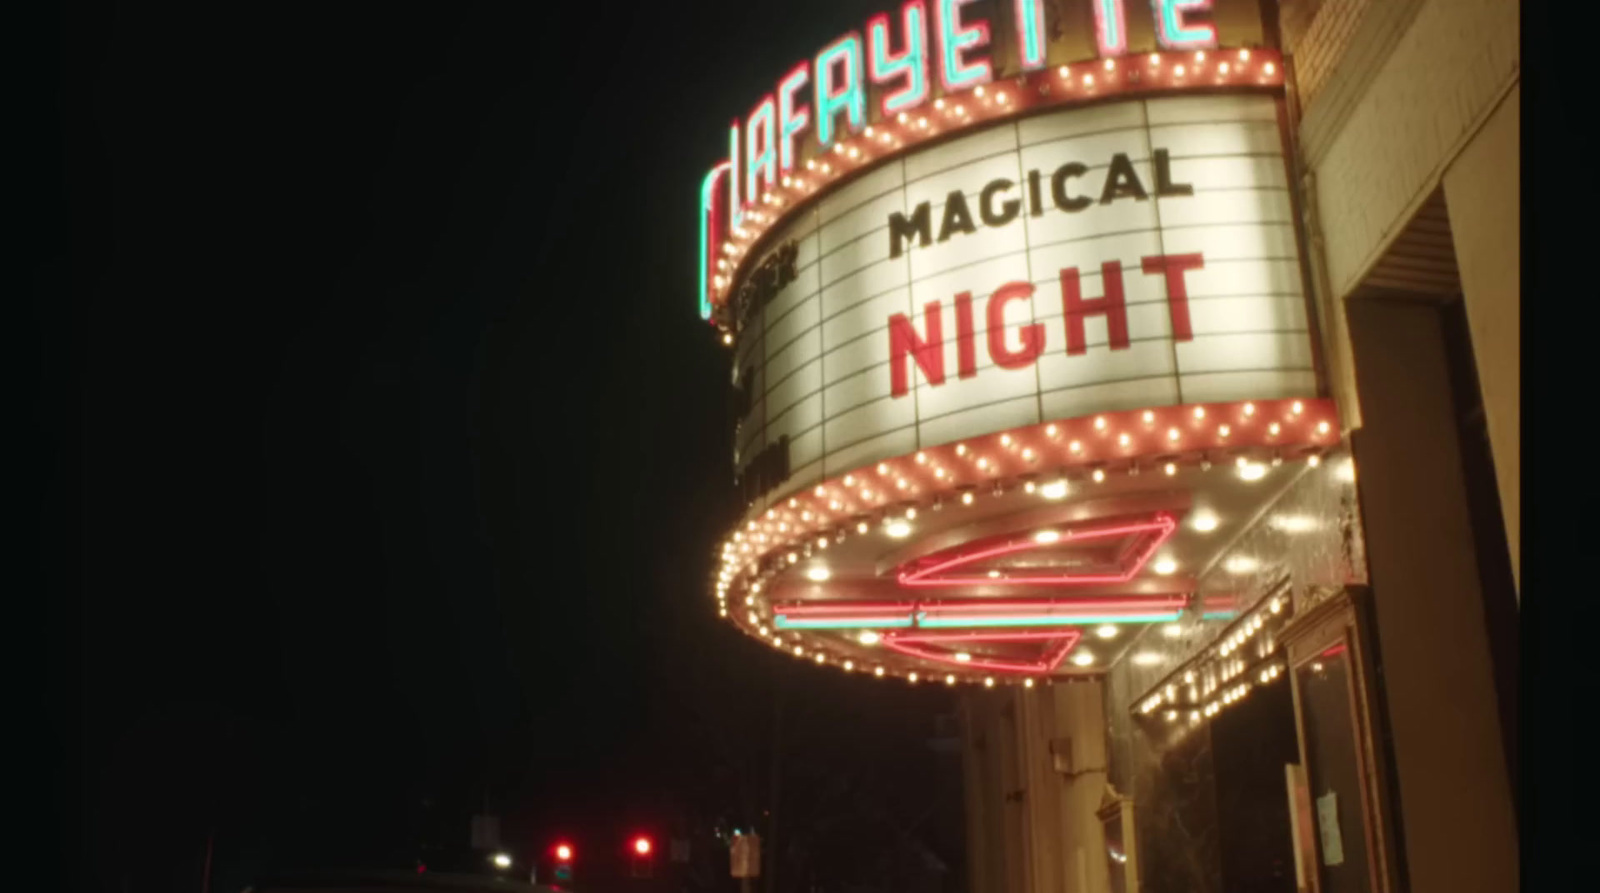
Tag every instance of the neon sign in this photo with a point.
(763, 147)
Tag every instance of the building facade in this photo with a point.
(1151, 373)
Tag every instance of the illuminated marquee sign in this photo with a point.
(899, 57)
(1129, 254)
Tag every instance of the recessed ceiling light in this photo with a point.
(1147, 658)
(1056, 489)
(1252, 471)
(1205, 522)
(868, 637)
(817, 573)
(898, 529)
(1047, 536)
(1172, 630)
(1108, 631)
(963, 656)
(1241, 564)
(1083, 658)
(1166, 566)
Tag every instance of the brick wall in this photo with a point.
(1445, 75)
(1316, 33)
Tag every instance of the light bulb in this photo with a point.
(898, 529)
(1027, 683)
(1204, 522)
(1108, 631)
(1045, 537)
(1172, 630)
(911, 677)
(950, 680)
(988, 682)
(1083, 658)
(818, 573)
(1056, 489)
(877, 671)
(963, 657)
(1165, 566)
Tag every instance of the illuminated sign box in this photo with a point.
(1180, 203)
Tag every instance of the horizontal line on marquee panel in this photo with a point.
(1090, 274)
(884, 364)
(906, 184)
(1034, 247)
(1141, 128)
(1026, 396)
(877, 331)
(835, 413)
(912, 249)
(1047, 202)
(881, 365)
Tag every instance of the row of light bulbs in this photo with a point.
(761, 540)
(1207, 683)
(985, 100)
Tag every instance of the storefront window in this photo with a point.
(1328, 709)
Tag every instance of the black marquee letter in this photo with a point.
(1058, 187)
(1122, 181)
(1164, 184)
(901, 230)
(1008, 208)
(956, 216)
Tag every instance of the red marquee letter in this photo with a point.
(1174, 266)
(1032, 334)
(966, 349)
(1076, 308)
(929, 352)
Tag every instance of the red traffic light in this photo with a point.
(641, 846)
(563, 852)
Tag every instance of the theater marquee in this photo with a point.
(1130, 254)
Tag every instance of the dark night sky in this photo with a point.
(387, 450)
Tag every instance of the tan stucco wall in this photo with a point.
(1482, 190)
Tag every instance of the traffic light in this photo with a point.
(564, 855)
(642, 863)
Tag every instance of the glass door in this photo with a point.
(1338, 751)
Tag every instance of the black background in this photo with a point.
(386, 451)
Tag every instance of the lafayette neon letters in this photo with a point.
(763, 146)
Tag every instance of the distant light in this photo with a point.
(641, 845)
(1045, 537)
(818, 573)
(501, 860)
(564, 853)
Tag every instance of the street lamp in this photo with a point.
(501, 861)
